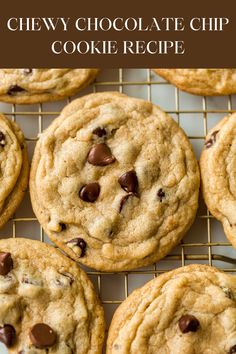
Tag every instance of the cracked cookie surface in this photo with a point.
(218, 166)
(188, 310)
(14, 168)
(209, 82)
(48, 304)
(114, 182)
(28, 86)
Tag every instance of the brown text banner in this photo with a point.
(118, 34)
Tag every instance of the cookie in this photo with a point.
(28, 86)
(218, 174)
(189, 310)
(207, 82)
(14, 168)
(48, 304)
(114, 182)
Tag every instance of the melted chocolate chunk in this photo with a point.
(100, 155)
(99, 132)
(2, 139)
(188, 323)
(7, 335)
(124, 200)
(63, 226)
(232, 349)
(89, 192)
(42, 336)
(6, 263)
(79, 242)
(212, 139)
(161, 194)
(129, 182)
(14, 89)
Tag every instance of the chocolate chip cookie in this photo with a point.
(114, 182)
(14, 168)
(189, 310)
(208, 82)
(27, 86)
(48, 304)
(218, 161)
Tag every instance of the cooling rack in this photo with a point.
(204, 243)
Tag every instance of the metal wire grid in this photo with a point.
(207, 255)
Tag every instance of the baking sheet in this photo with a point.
(204, 243)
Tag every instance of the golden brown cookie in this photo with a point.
(114, 182)
(218, 171)
(189, 310)
(14, 168)
(28, 86)
(48, 304)
(207, 82)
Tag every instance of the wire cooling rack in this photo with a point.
(204, 243)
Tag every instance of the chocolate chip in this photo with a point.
(100, 155)
(2, 139)
(161, 194)
(6, 263)
(42, 336)
(27, 71)
(7, 335)
(212, 139)
(78, 242)
(124, 200)
(14, 89)
(99, 132)
(188, 323)
(232, 349)
(63, 226)
(89, 192)
(113, 131)
(209, 143)
(129, 182)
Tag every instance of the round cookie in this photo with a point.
(207, 82)
(14, 168)
(188, 310)
(114, 182)
(48, 304)
(218, 166)
(28, 86)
